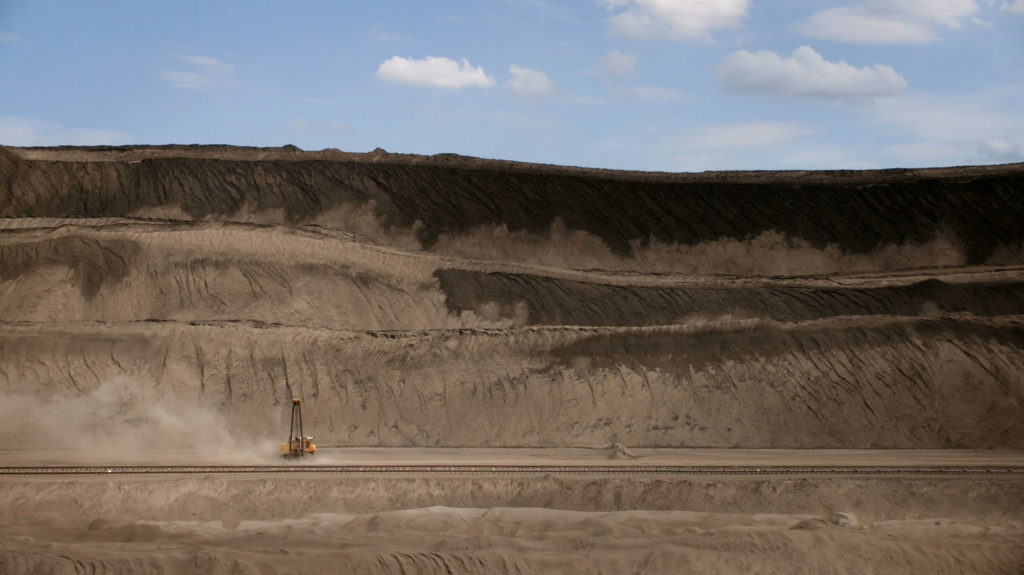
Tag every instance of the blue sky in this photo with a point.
(675, 85)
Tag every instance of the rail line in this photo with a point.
(727, 470)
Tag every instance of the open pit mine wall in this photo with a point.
(856, 212)
(406, 347)
(910, 384)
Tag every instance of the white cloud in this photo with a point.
(380, 33)
(187, 80)
(860, 27)
(747, 136)
(924, 154)
(621, 64)
(774, 146)
(529, 82)
(675, 19)
(947, 12)
(580, 100)
(650, 93)
(740, 146)
(300, 123)
(983, 126)
(1015, 7)
(201, 72)
(10, 38)
(433, 71)
(732, 146)
(204, 62)
(314, 100)
(1003, 150)
(906, 130)
(970, 117)
(16, 131)
(805, 74)
(546, 9)
(890, 21)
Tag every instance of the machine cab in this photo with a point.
(298, 444)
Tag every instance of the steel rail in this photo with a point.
(727, 470)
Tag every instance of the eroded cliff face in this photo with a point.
(923, 383)
(444, 198)
(448, 301)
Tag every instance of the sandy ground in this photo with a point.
(370, 523)
(611, 456)
(534, 523)
(505, 540)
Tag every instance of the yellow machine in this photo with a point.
(298, 445)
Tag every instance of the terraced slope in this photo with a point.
(449, 301)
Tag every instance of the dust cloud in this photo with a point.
(122, 417)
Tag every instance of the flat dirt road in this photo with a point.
(527, 459)
(515, 511)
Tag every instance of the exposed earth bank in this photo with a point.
(178, 297)
(450, 301)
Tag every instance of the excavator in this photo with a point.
(298, 445)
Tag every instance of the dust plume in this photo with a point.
(120, 417)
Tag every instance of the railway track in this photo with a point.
(729, 470)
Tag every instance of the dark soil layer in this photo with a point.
(857, 211)
(552, 301)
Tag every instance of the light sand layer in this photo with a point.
(446, 540)
(384, 524)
